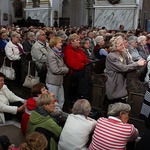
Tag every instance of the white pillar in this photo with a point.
(137, 10)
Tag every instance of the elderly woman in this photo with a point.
(142, 47)
(132, 40)
(36, 91)
(28, 43)
(78, 127)
(114, 132)
(14, 50)
(40, 118)
(3, 40)
(85, 44)
(76, 60)
(117, 64)
(99, 50)
(56, 69)
(10, 104)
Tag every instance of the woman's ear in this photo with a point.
(120, 114)
(45, 106)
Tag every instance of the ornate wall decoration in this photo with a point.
(114, 1)
(36, 3)
(18, 8)
(5, 16)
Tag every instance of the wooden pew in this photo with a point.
(97, 89)
(136, 89)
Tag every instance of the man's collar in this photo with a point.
(44, 44)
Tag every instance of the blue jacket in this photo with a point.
(3, 44)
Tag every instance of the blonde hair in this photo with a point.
(44, 99)
(114, 41)
(35, 141)
(54, 41)
(141, 38)
(72, 37)
(102, 31)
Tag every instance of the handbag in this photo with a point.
(9, 72)
(31, 80)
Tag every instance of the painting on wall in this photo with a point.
(18, 9)
(5, 16)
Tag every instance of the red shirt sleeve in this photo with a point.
(31, 103)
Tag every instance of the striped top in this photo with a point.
(112, 134)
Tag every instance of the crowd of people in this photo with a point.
(64, 52)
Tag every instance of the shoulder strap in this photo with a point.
(29, 68)
(4, 64)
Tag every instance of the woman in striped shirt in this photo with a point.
(114, 132)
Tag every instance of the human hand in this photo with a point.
(51, 94)
(88, 118)
(21, 108)
(141, 62)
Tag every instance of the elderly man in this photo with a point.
(132, 40)
(39, 54)
(6, 99)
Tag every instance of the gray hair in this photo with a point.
(44, 99)
(148, 35)
(141, 38)
(132, 39)
(29, 34)
(82, 107)
(83, 41)
(14, 34)
(98, 39)
(102, 31)
(115, 109)
(38, 33)
(62, 34)
(64, 37)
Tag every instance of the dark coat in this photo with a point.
(27, 46)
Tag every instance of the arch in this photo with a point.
(65, 2)
(65, 8)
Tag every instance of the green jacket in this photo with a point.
(45, 121)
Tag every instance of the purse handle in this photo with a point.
(4, 62)
(29, 70)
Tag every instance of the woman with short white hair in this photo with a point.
(114, 132)
(28, 43)
(99, 49)
(142, 47)
(14, 51)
